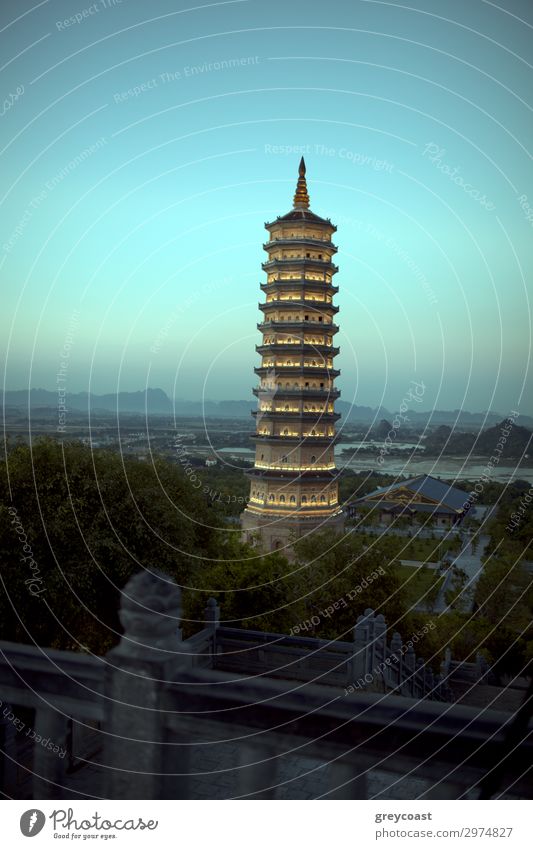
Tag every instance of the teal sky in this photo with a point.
(144, 146)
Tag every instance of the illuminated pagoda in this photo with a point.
(293, 487)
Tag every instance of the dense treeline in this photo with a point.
(481, 443)
(86, 521)
(76, 523)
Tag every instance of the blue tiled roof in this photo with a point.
(445, 495)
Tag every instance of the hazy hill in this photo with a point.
(153, 400)
(156, 401)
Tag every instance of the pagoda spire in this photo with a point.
(301, 198)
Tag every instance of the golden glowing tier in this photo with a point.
(293, 487)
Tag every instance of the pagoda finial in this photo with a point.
(301, 198)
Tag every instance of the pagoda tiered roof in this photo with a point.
(296, 351)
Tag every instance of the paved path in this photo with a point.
(471, 563)
(465, 559)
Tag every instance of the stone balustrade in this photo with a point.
(182, 719)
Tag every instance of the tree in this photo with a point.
(86, 520)
(504, 593)
(507, 652)
(383, 428)
(331, 568)
(256, 593)
(457, 596)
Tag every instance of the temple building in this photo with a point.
(293, 488)
(419, 500)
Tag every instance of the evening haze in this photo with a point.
(144, 146)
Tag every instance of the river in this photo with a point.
(454, 468)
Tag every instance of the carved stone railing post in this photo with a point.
(149, 655)
(212, 621)
(420, 678)
(396, 669)
(8, 753)
(439, 689)
(446, 663)
(409, 671)
(380, 640)
(371, 648)
(482, 668)
(212, 614)
(361, 640)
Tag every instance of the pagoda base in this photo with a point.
(276, 533)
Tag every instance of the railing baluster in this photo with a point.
(8, 752)
(49, 766)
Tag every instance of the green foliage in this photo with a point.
(253, 593)
(457, 596)
(507, 652)
(268, 593)
(332, 568)
(495, 492)
(354, 485)
(92, 519)
(504, 593)
(458, 630)
(226, 488)
(511, 528)
(462, 444)
(420, 585)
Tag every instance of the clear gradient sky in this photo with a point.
(143, 146)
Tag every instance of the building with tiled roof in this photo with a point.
(417, 499)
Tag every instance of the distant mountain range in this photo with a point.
(157, 402)
(153, 400)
